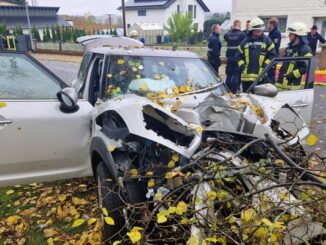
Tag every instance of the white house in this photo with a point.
(158, 11)
(311, 12)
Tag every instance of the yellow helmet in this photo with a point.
(257, 24)
(298, 28)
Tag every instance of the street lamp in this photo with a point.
(29, 26)
(124, 18)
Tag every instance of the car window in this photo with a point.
(23, 78)
(155, 76)
(84, 67)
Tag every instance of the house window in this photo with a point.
(191, 10)
(178, 8)
(282, 21)
(142, 12)
(195, 11)
(128, 26)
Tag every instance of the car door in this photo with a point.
(301, 100)
(39, 142)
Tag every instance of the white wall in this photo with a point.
(295, 10)
(161, 15)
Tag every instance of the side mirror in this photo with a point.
(68, 98)
(267, 90)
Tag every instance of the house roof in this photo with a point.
(38, 22)
(156, 4)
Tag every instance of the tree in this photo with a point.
(3, 28)
(18, 30)
(58, 33)
(36, 34)
(216, 19)
(180, 26)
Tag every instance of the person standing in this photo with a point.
(291, 74)
(214, 48)
(254, 53)
(247, 31)
(276, 37)
(313, 38)
(233, 38)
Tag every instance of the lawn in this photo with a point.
(63, 212)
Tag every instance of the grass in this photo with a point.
(40, 214)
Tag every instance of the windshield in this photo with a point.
(157, 76)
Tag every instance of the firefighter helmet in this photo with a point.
(257, 24)
(298, 29)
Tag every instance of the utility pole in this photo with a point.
(124, 18)
(29, 26)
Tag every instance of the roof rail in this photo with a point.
(97, 41)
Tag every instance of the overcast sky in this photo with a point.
(101, 7)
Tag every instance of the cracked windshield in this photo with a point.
(157, 76)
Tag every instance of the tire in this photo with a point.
(110, 196)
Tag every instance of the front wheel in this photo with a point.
(115, 199)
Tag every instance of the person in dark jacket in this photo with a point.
(254, 54)
(276, 37)
(233, 38)
(214, 48)
(313, 38)
(291, 73)
(247, 31)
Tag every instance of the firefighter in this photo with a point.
(254, 53)
(233, 38)
(313, 38)
(214, 48)
(291, 73)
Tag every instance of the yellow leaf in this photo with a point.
(172, 210)
(158, 196)
(134, 236)
(109, 75)
(267, 222)
(50, 241)
(193, 240)
(184, 221)
(3, 104)
(10, 192)
(134, 172)
(171, 164)
(50, 233)
(312, 140)
(91, 221)
(109, 220)
(78, 201)
(12, 220)
(261, 233)
(121, 61)
(161, 218)
(62, 198)
(105, 212)
(77, 223)
(211, 196)
(149, 173)
(151, 183)
(134, 69)
(199, 129)
(111, 148)
(116, 242)
(248, 214)
(181, 208)
(175, 157)
(138, 76)
(157, 76)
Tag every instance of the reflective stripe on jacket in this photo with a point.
(294, 69)
(253, 55)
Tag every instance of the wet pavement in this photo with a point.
(67, 71)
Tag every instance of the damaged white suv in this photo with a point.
(152, 104)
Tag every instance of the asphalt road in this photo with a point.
(68, 71)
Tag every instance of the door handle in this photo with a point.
(4, 122)
(300, 105)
